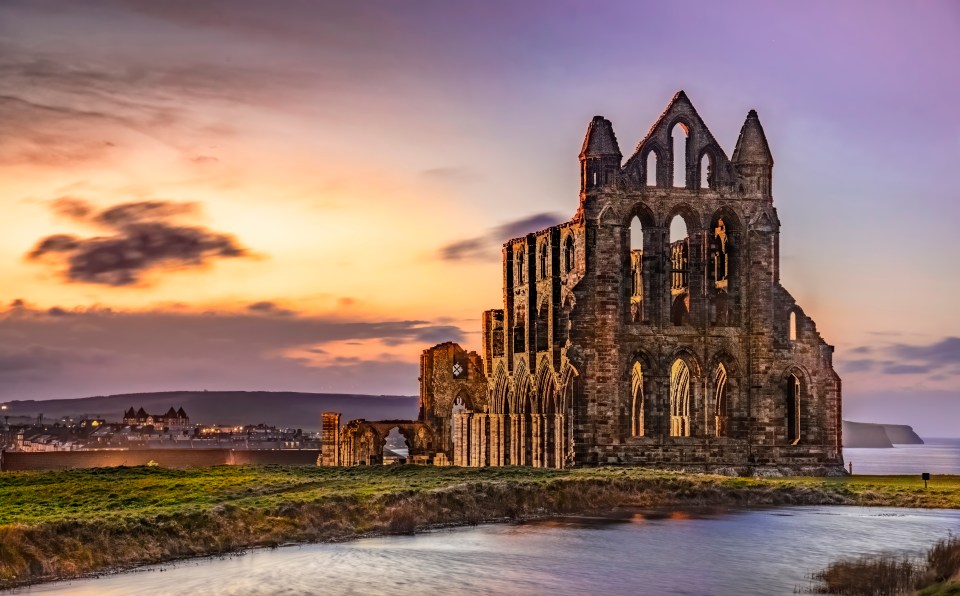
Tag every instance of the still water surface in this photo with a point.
(937, 456)
(765, 551)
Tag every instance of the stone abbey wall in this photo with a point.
(619, 344)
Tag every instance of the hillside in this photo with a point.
(279, 408)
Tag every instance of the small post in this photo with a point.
(851, 468)
(926, 477)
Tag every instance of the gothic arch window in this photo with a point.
(520, 266)
(569, 252)
(636, 270)
(721, 254)
(708, 170)
(793, 396)
(651, 168)
(679, 154)
(679, 272)
(720, 399)
(458, 406)
(679, 399)
(636, 390)
(793, 325)
(543, 261)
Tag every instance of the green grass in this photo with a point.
(61, 524)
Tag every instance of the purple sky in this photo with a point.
(339, 150)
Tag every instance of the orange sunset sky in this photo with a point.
(304, 195)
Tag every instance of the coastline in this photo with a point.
(267, 507)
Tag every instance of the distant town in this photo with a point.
(140, 429)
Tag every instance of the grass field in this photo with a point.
(62, 524)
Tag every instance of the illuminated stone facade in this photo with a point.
(619, 344)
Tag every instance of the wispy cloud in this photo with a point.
(74, 352)
(484, 247)
(941, 357)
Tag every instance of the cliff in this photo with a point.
(866, 434)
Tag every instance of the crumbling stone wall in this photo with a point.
(654, 351)
(594, 332)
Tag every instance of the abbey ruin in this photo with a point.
(621, 342)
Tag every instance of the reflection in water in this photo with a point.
(768, 551)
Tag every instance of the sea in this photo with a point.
(935, 456)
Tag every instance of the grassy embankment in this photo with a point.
(938, 574)
(65, 524)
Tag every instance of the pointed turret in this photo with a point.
(752, 156)
(181, 413)
(600, 155)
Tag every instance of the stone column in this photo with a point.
(461, 443)
(493, 439)
(536, 453)
(515, 442)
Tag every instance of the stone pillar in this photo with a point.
(492, 439)
(496, 439)
(478, 440)
(536, 453)
(461, 443)
(515, 442)
(330, 439)
(559, 445)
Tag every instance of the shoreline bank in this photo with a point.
(119, 519)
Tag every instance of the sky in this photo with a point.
(303, 195)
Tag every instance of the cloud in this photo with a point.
(941, 357)
(269, 308)
(61, 111)
(452, 175)
(142, 238)
(45, 354)
(945, 352)
(483, 247)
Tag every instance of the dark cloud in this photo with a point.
(143, 237)
(941, 357)
(906, 369)
(270, 308)
(97, 351)
(484, 247)
(856, 365)
(942, 353)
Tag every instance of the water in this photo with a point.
(767, 551)
(937, 456)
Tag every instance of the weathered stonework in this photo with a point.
(682, 354)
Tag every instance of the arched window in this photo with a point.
(543, 261)
(679, 272)
(679, 154)
(707, 171)
(520, 266)
(636, 270)
(568, 254)
(721, 254)
(679, 399)
(793, 409)
(636, 388)
(720, 399)
(458, 406)
(793, 326)
(651, 167)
